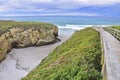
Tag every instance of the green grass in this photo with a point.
(78, 58)
(116, 27)
(5, 25)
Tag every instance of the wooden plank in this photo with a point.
(111, 60)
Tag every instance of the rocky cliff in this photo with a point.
(24, 34)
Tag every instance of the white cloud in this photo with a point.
(84, 3)
(91, 2)
(75, 13)
(54, 14)
(10, 5)
(2, 9)
(43, 5)
(42, 1)
(105, 2)
(13, 4)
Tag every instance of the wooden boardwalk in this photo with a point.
(111, 49)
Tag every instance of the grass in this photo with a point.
(76, 59)
(116, 27)
(5, 25)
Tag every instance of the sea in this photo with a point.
(68, 24)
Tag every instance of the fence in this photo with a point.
(114, 32)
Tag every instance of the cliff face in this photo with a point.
(19, 37)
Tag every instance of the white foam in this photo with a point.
(78, 27)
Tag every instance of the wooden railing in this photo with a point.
(114, 32)
(110, 63)
(111, 66)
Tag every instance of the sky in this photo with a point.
(110, 8)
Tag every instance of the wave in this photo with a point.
(78, 27)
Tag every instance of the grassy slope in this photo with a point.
(116, 27)
(5, 25)
(76, 59)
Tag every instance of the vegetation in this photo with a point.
(5, 25)
(76, 59)
(116, 27)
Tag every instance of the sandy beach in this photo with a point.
(20, 62)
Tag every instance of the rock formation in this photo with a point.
(20, 37)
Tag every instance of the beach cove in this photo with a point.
(23, 45)
(43, 51)
(60, 40)
(20, 62)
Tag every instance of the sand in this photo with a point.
(20, 62)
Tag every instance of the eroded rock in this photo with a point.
(22, 37)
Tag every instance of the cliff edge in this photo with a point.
(24, 34)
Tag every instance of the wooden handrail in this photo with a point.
(114, 32)
(111, 64)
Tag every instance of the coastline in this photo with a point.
(20, 62)
(78, 56)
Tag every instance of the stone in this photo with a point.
(22, 37)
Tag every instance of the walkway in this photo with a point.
(111, 55)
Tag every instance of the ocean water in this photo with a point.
(68, 24)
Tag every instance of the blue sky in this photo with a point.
(110, 8)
